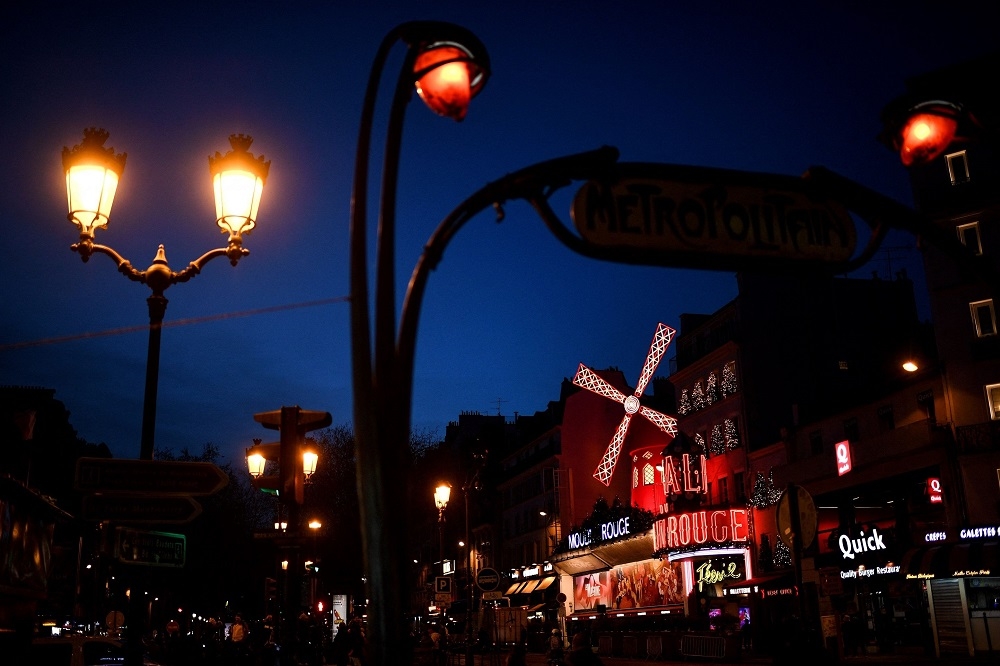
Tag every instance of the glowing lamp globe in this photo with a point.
(92, 175)
(309, 461)
(441, 496)
(238, 180)
(447, 78)
(255, 464)
(925, 137)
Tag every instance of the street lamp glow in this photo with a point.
(92, 175)
(309, 461)
(925, 137)
(315, 524)
(441, 496)
(238, 181)
(910, 366)
(255, 464)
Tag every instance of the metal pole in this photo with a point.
(157, 308)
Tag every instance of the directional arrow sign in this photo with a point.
(174, 509)
(306, 419)
(148, 477)
(162, 549)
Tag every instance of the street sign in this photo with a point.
(158, 549)
(713, 218)
(175, 509)
(493, 595)
(308, 419)
(148, 477)
(488, 579)
(442, 585)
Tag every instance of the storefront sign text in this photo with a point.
(931, 537)
(697, 527)
(843, 450)
(707, 574)
(687, 477)
(850, 547)
(988, 532)
(614, 529)
(868, 572)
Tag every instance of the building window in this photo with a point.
(842, 365)
(886, 418)
(852, 432)
(723, 490)
(993, 400)
(816, 442)
(983, 318)
(648, 475)
(709, 491)
(968, 234)
(635, 477)
(739, 487)
(958, 167)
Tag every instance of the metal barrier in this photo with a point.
(654, 647)
(630, 646)
(703, 646)
(604, 646)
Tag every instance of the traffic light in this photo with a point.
(292, 423)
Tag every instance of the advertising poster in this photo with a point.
(634, 585)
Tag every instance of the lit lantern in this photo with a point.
(447, 78)
(925, 137)
(309, 460)
(238, 180)
(92, 175)
(441, 496)
(255, 463)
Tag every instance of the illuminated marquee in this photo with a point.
(613, 529)
(686, 477)
(693, 528)
(934, 491)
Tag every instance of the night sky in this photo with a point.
(510, 311)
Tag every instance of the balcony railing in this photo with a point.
(978, 437)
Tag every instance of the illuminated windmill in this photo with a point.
(588, 379)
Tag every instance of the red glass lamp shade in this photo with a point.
(925, 137)
(447, 79)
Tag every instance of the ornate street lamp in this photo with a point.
(93, 172)
(441, 496)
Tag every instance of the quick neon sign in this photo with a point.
(843, 457)
(934, 490)
(850, 547)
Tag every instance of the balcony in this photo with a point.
(978, 437)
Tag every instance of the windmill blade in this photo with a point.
(607, 466)
(661, 340)
(588, 379)
(667, 424)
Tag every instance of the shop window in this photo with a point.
(724, 490)
(983, 317)
(816, 442)
(886, 418)
(648, 475)
(958, 167)
(968, 234)
(993, 400)
(852, 432)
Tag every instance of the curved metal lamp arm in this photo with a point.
(86, 247)
(533, 183)
(234, 253)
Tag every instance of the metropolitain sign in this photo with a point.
(694, 528)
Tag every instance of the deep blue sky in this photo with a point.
(510, 312)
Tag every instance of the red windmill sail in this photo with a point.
(588, 379)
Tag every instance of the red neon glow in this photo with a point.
(843, 457)
(925, 137)
(934, 490)
(446, 88)
(681, 530)
(586, 378)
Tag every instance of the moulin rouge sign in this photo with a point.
(694, 528)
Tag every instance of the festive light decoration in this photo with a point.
(729, 386)
(697, 396)
(782, 555)
(765, 558)
(684, 408)
(586, 378)
(699, 441)
(718, 445)
(732, 435)
(712, 389)
(764, 493)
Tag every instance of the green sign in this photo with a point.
(158, 549)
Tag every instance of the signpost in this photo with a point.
(176, 509)
(487, 579)
(158, 549)
(148, 477)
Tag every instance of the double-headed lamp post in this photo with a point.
(93, 172)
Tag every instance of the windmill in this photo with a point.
(588, 379)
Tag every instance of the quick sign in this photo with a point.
(843, 450)
(697, 527)
(934, 490)
(701, 214)
(863, 544)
